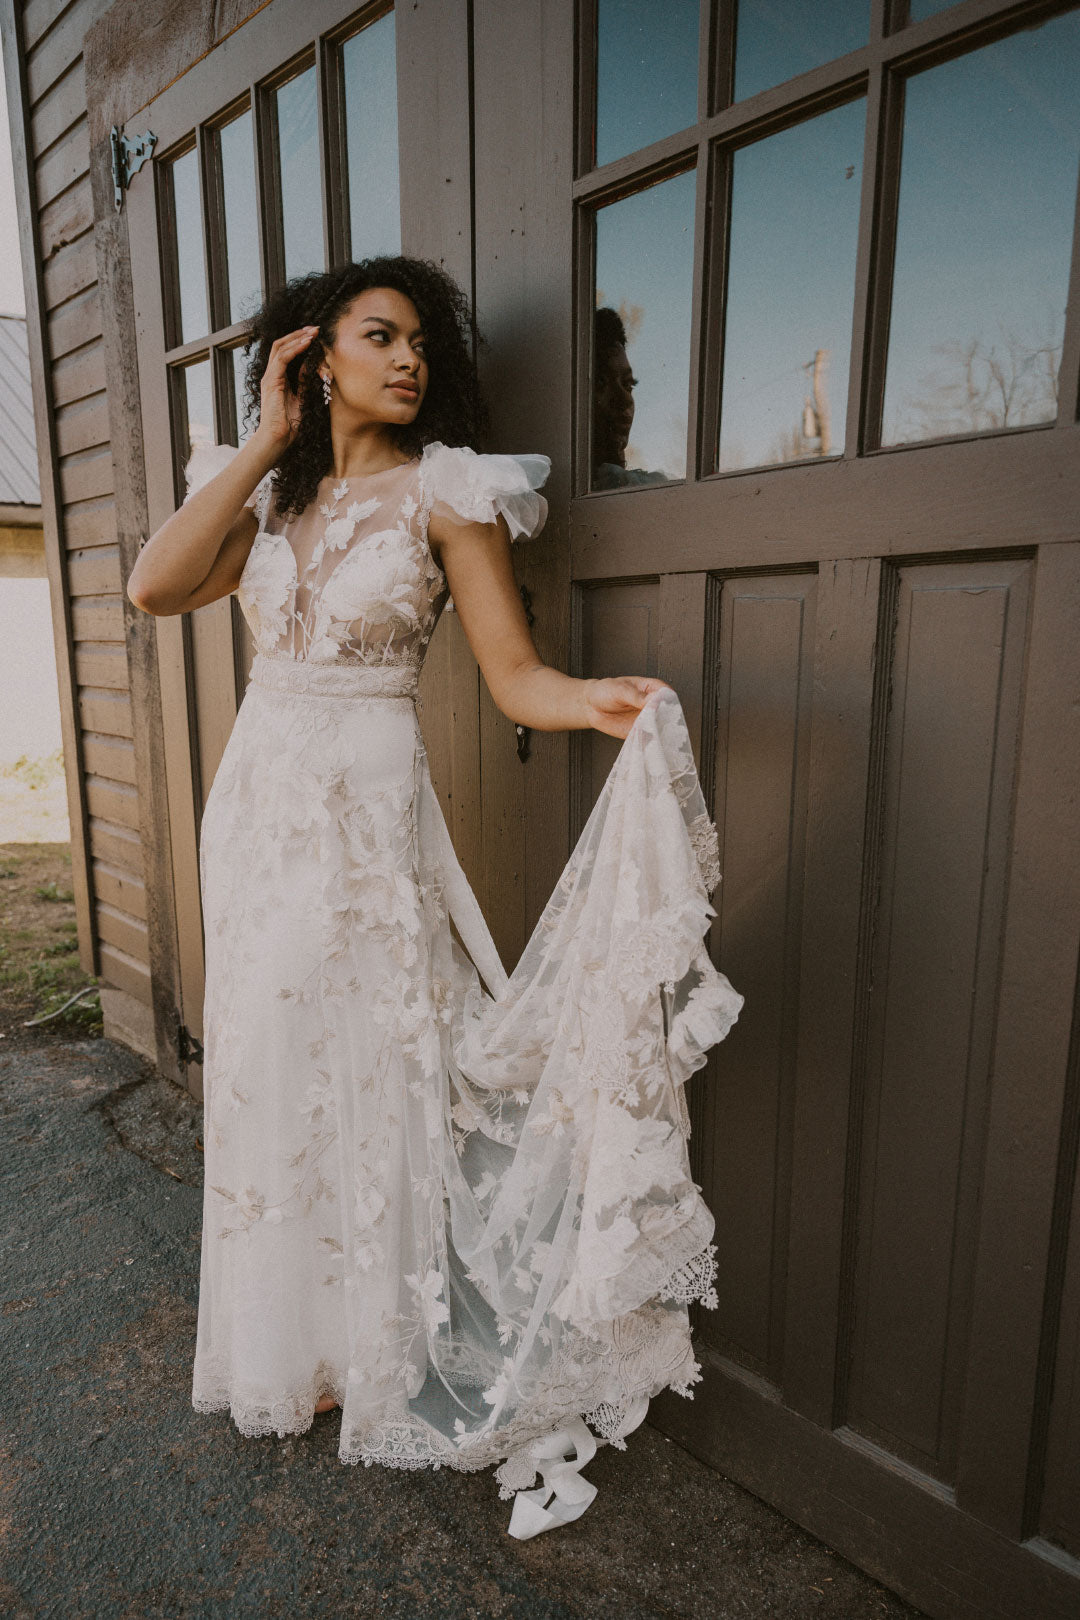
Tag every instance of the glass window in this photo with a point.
(301, 184)
(646, 73)
(777, 39)
(190, 264)
(239, 367)
(198, 404)
(790, 292)
(918, 9)
(984, 234)
(241, 225)
(641, 335)
(369, 70)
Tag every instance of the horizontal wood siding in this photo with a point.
(59, 164)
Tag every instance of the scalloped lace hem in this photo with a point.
(410, 1443)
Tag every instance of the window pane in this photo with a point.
(984, 232)
(646, 73)
(190, 264)
(791, 285)
(198, 403)
(241, 226)
(239, 367)
(918, 9)
(369, 68)
(777, 39)
(301, 185)
(641, 356)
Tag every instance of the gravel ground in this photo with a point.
(118, 1500)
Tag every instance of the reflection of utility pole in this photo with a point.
(815, 423)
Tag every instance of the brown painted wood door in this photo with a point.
(826, 481)
(278, 154)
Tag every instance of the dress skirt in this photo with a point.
(458, 1201)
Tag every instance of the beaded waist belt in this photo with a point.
(334, 680)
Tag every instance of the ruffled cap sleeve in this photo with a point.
(207, 460)
(464, 486)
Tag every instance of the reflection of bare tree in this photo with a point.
(981, 388)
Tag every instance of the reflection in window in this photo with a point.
(369, 69)
(239, 367)
(791, 283)
(777, 39)
(646, 73)
(190, 265)
(641, 335)
(198, 404)
(241, 226)
(301, 187)
(991, 144)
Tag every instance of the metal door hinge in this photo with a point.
(129, 153)
(188, 1049)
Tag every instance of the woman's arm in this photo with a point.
(476, 559)
(199, 553)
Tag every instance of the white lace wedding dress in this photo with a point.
(467, 1213)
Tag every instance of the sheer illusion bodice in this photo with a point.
(458, 1200)
(352, 578)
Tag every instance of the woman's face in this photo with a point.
(379, 344)
(613, 407)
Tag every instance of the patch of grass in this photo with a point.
(49, 891)
(39, 955)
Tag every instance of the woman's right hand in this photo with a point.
(279, 415)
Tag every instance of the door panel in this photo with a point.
(880, 659)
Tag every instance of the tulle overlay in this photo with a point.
(459, 1202)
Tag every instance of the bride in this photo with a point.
(454, 1203)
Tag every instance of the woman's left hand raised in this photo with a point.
(613, 702)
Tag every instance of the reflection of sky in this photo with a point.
(987, 195)
(241, 226)
(776, 39)
(191, 269)
(370, 72)
(200, 404)
(791, 274)
(301, 198)
(646, 73)
(645, 271)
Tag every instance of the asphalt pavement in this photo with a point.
(119, 1502)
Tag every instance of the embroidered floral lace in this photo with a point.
(458, 1201)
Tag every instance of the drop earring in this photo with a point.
(326, 390)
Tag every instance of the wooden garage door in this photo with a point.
(827, 483)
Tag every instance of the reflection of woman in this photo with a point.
(613, 407)
(463, 1215)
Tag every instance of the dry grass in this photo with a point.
(39, 958)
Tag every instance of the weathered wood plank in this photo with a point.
(112, 801)
(110, 758)
(80, 374)
(71, 269)
(97, 618)
(98, 664)
(59, 46)
(82, 425)
(117, 846)
(61, 107)
(67, 161)
(106, 712)
(92, 523)
(127, 934)
(95, 572)
(124, 971)
(120, 889)
(87, 477)
(66, 219)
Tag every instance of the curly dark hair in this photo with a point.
(453, 410)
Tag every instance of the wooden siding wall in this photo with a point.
(51, 148)
(78, 298)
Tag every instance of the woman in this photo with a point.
(463, 1215)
